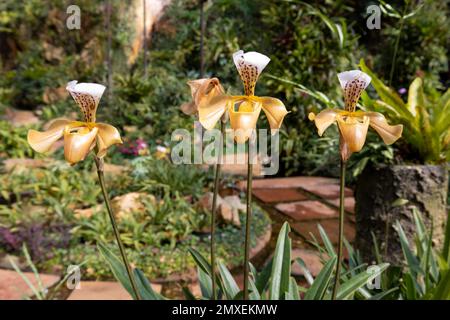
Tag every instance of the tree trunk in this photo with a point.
(378, 208)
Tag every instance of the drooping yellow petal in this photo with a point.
(78, 142)
(250, 65)
(353, 131)
(344, 149)
(107, 136)
(388, 133)
(323, 119)
(243, 121)
(209, 112)
(41, 141)
(202, 91)
(274, 110)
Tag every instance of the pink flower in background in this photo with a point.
(137, 147)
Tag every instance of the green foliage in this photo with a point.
(426, 275)
(155, 176)
(424, 117)
(14, 141)
(274, 282)
(415, 25)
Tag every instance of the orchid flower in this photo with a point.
(202, 91)
(353, 125)
(79, 137)
(244, 110)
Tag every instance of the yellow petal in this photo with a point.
(211, 111)
(243, 122)
(42, 141)
(344, 149)
(78, 142)
(388, 133)
(324, 119)
(353, 131)
(274, 110)
(107, 136)
(202, 91)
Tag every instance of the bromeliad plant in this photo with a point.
(424, 116)
(80, 137)
(243, 112)
(353, 126)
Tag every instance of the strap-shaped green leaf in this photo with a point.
(281, 266)
(320, 284)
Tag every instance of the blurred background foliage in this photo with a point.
(307, 42)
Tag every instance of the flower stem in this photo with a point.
(101, 178)
(213, 211)
(247, 222)
(341, 229)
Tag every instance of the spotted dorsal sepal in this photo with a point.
(87, 105)
(87, 96)
(250, 65)
(353, 84)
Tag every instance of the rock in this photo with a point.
(19, 164)
(227, 208)
(52, 95)
(87, 213)
(386, 194)
(52, 53)
(114, 169)
(126, 204)
(310, 258)
(6, 264)
(103, 290)
(20, 118)
(13, 287)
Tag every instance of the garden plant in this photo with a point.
(162, 190)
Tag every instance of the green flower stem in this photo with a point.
(99, 162)
(247, 222)
(213, 211)
(341, 229)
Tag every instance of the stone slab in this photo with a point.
(307, 210)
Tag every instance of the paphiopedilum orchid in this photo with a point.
(244, 110)
(353, 125)
(80, 137)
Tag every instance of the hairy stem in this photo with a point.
(341, 230)
(247, 222)
(101, 178)
(213, 211)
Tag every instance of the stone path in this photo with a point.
(13, 287)
(305, 202)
